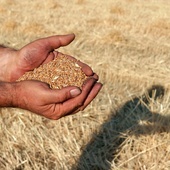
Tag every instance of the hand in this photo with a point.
(37, 96)
(39, 52)
(54, 104)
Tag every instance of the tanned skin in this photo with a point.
(37, 96)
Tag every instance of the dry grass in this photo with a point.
(127, 126)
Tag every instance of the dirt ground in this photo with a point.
(127, 127)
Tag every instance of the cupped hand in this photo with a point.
(37, 97)
(40, 52)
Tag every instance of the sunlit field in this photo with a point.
(127, 126)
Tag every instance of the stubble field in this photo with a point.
(127, 43)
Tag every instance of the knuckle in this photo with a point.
(54, 116)
(55, 113)
(80, 103)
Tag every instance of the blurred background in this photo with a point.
(127, 126)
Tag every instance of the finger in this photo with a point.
(49, 58)
(57, 41)
(97, 87)
(60, 96)
(95, 76)
(71, 105)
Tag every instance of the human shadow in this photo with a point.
(105, 145)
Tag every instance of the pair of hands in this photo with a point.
(36, 96)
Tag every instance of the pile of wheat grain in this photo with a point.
(58, 73)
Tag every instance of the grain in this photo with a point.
(58, 73)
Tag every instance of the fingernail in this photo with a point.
(75, 92)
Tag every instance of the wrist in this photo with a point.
(8, 97)
(15, 91)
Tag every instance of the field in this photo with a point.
(127, 126)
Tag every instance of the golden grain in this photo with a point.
(58, 73)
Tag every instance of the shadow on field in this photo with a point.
(105, 146)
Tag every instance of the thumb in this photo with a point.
(59, 96)
(57, 41)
